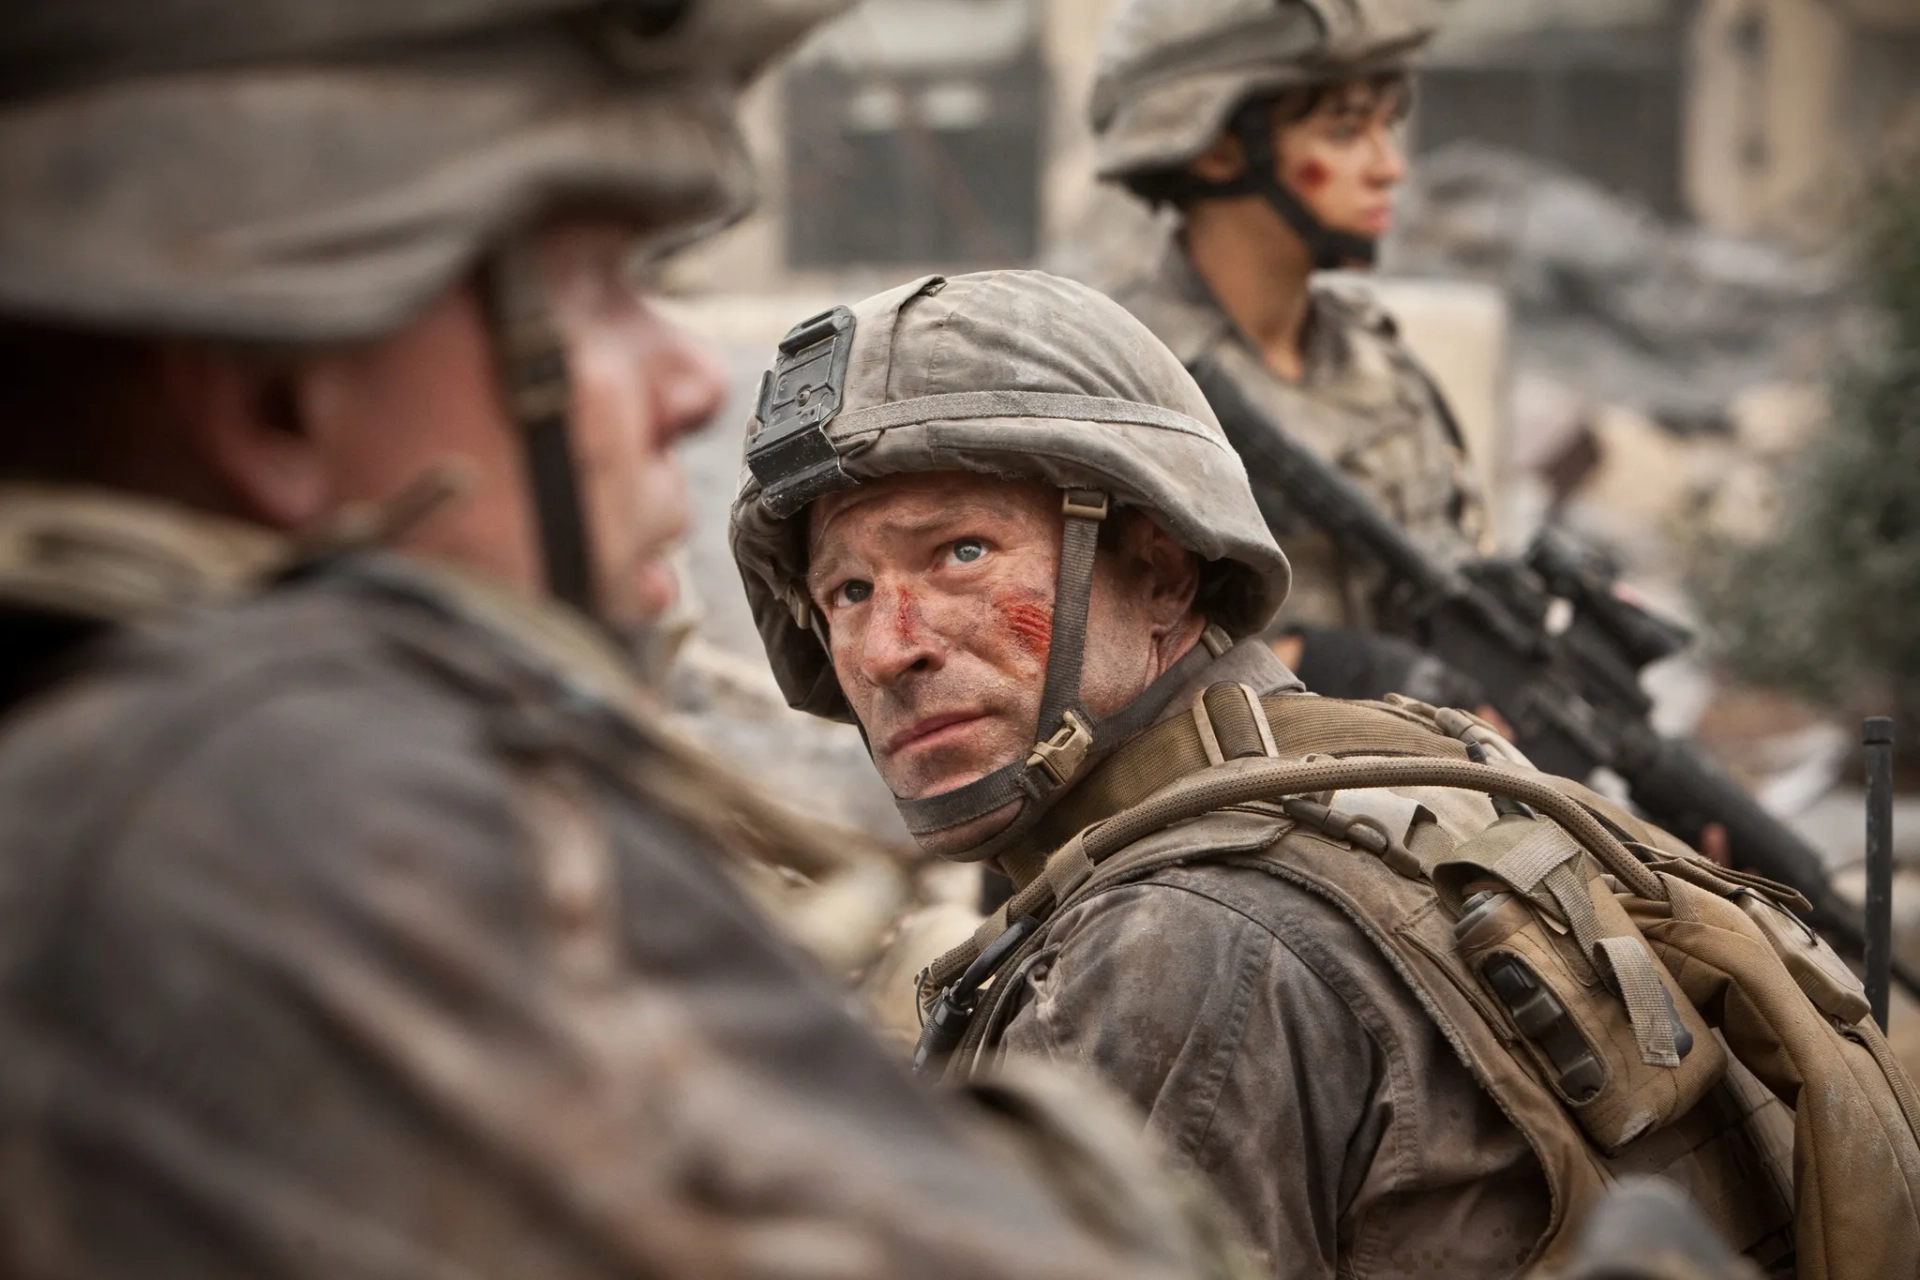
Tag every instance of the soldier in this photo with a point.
(1356, 961)
(362, 921)
(1271, 129)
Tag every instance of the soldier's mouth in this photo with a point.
(1378, 220)
(928, 730)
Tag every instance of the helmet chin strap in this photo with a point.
(531, 361)
(1067, 739)
(1328, 248)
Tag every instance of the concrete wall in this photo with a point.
(1794, 107)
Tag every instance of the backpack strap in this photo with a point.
(1237, 765)
(1223, 727)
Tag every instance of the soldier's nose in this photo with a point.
(898, 641)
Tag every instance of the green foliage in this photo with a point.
(1831, 606)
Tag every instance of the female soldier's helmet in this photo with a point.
(1172, 75)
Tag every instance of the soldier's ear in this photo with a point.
(1166, 574)
(1221, 162)
(243, 419)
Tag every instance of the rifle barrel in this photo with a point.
(1877, 737)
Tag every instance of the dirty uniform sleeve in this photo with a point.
(1243, 1058)
(1272, 1044)
(327, 990)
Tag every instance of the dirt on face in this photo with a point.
(938, 595)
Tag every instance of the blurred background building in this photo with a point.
(1625, 251)
(951, 133)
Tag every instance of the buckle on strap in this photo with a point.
(1084, 504)
(1232, 723)
(1064, 754)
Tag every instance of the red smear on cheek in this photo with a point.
(1312, 175)
(1031, 625)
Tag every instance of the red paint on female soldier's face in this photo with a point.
(1030, 620)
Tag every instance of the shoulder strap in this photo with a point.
(1220, 728)
(1239, 766)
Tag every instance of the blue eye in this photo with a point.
(852, 591)
(968, 550)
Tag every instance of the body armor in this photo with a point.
(1592, 1005)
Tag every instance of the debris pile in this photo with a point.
(1673, 321)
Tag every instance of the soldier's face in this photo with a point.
(1345, 157)
(381, 415)
(938, 595)
(640, 383)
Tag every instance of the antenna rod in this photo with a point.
(1877, 736)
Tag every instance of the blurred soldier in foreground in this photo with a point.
(1410, 1003)
(358, 919)
(1272, 128)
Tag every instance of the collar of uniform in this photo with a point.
(1110, 787)
(96, 555)
(1181, 309)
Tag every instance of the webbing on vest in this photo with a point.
(1174, 749)
(1547, 861)
(1246, 781)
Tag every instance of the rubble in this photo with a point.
(1673, 321)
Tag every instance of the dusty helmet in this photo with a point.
(297, 172)
(1171, 73)
(1009, 373)
(1175, 74)
(291, 171)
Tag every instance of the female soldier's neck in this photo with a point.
(1258, 270)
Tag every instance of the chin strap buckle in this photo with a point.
(1085, 504)
(1063, 754)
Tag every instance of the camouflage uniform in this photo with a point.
(1172, 76)
(362, 920)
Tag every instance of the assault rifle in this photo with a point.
(1557, 648)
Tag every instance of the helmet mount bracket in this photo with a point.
(791, 455)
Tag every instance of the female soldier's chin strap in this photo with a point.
(1067, 739)
(531, 359)
(1329, 249)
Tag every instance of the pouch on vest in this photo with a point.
(1779, 1000)
(1601, 1021)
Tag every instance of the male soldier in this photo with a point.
(992, 521)
(1270, 127)
(359, 921)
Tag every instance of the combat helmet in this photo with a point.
(284, 171)
(1007, 373)
(1171, 75)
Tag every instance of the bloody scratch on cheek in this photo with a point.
(1031, 624)
(1313, 175)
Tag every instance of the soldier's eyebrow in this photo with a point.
(823, 559)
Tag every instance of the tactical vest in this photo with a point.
(1631, 1007)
